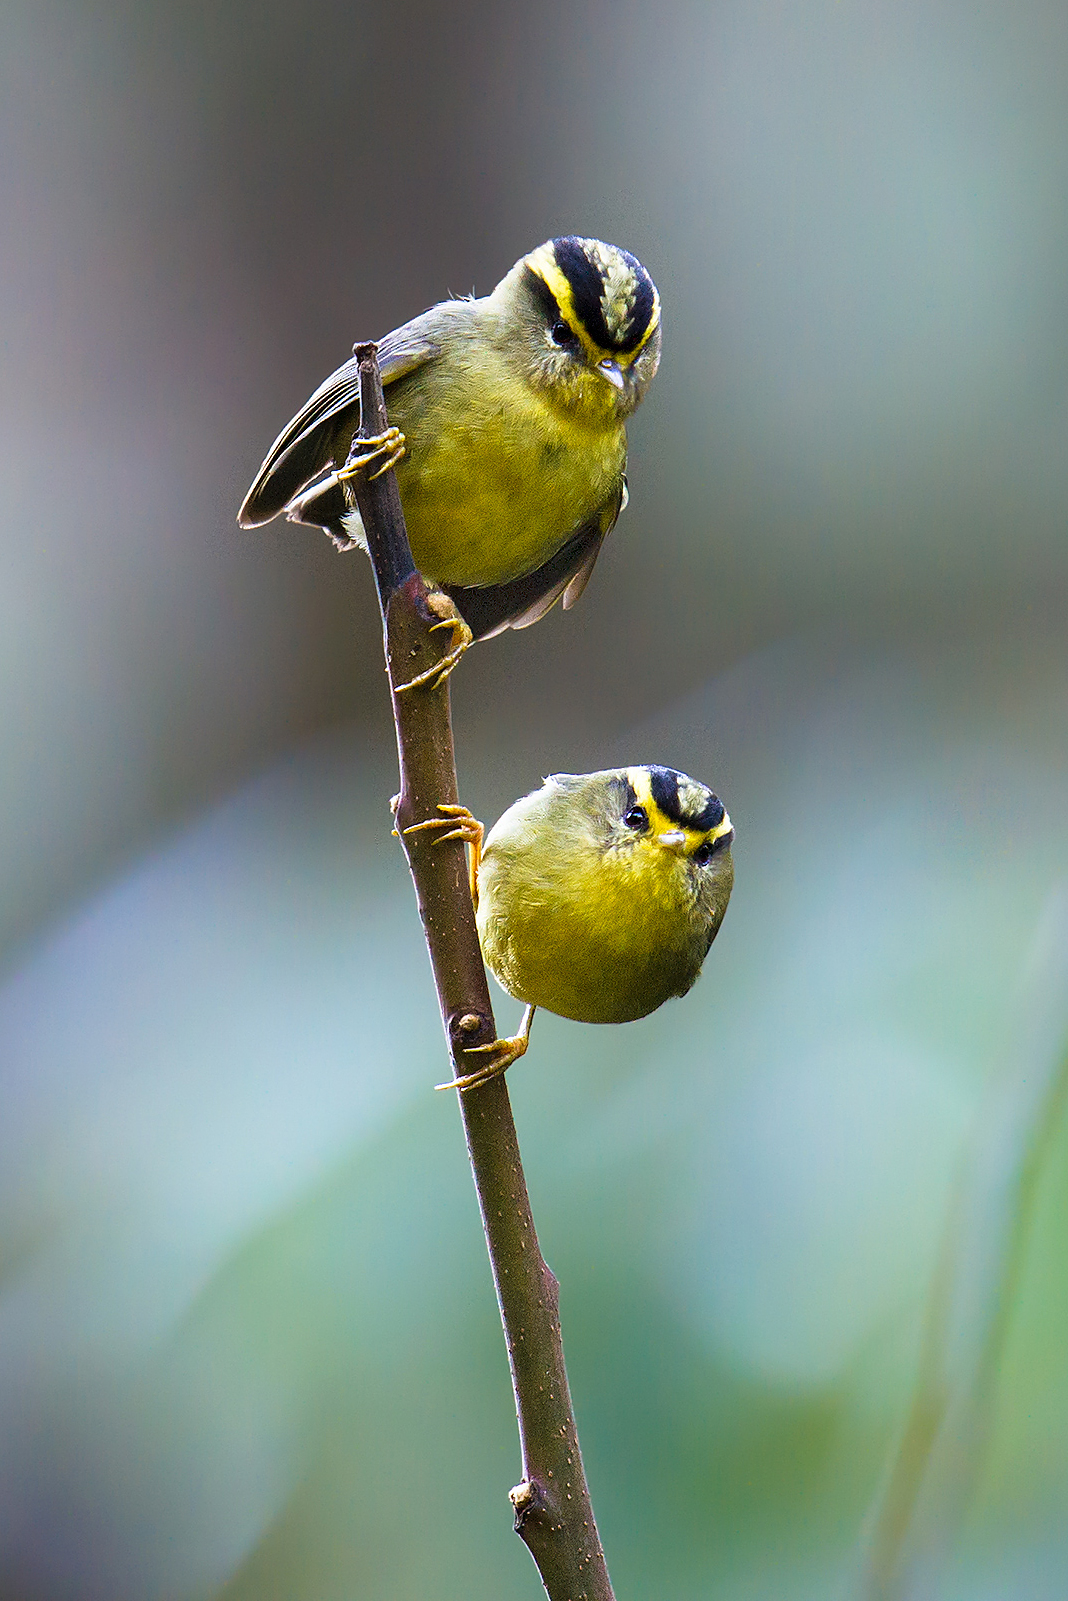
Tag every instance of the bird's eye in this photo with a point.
(635, 818)
(561, 334)
(704, 853)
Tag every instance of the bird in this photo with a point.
(508, 432)
(597, 896)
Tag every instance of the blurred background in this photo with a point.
(248, 1342)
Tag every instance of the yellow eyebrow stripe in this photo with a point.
(721, 828)
(660, 823)
(543, 262)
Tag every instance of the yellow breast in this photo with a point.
(601, 937)
(493, 498)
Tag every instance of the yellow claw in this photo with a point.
(504, 1053)
(364, 453)
(461, 825)
(462, 638)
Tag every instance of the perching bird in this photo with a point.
(597, 896)
(512, 408)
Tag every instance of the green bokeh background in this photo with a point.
(248, 1343)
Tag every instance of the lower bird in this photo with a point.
(508, 432)
(597, 896)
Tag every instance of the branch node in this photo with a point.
(526, 1498)
(469, 1028)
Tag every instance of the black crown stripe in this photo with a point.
(587, 288)
(664, 782)
(637, 323)
(710, 815)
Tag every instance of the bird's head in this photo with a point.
(590, 315)
(673, 835)
(670, 812)
(666, 834)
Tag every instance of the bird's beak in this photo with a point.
(612, 371)
(673, 839)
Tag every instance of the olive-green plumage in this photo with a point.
(513, 408)
(599, 895)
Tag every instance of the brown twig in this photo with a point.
(553, 1514)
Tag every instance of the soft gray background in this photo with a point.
(247, 1338)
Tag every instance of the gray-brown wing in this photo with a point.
(584, 572)
(306, 444)
(525, 600)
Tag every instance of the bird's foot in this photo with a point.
(443, 608)
(386, 449)
(502, 1054)
(461, 825)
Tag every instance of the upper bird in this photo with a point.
(513, 410)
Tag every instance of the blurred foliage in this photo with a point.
(857, 216)
(249, 1346)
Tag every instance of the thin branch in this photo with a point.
(553, 1514)
(943, 1445)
